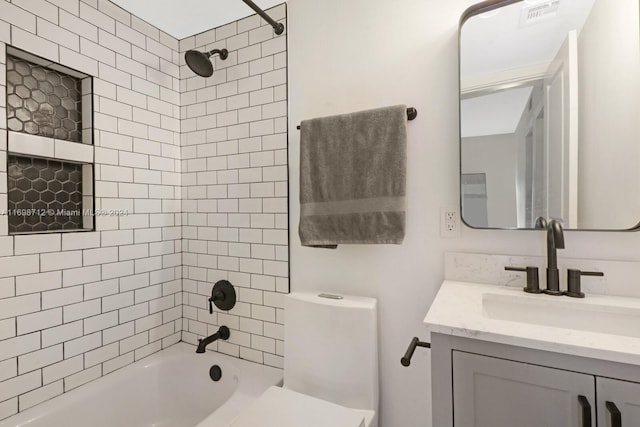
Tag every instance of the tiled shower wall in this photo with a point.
(234, 163)
(76, 306)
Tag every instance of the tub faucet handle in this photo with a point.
(223, 295)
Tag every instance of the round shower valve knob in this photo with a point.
(223, 295)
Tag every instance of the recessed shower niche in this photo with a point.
(50, 146)
(46, 194)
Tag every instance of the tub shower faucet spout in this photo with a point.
(222, 334)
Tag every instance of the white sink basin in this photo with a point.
(559, 312)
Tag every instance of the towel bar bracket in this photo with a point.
(412, 113)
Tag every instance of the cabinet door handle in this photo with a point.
(586, 411)
(615, 414)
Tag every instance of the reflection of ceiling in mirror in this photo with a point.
(507, 40)
(494, 114)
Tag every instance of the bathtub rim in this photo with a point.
(253, 380)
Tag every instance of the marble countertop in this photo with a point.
(459, 310)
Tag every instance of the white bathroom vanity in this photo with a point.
(502, 358)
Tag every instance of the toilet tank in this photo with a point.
(331, 348)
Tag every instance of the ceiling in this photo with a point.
(506, 39)
(503, 39)
(184, 18)
(494, 114)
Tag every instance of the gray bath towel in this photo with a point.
(352, 178)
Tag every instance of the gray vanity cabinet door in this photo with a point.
(621, 395)
(492, 392)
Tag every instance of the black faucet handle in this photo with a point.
(590, 273)
(574, 284)
(533, 282)
(223, 295)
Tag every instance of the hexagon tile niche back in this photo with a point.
(42, 101)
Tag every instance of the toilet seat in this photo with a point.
(280, 407)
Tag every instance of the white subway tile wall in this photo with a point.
(234, 183)
(74, 307)
(201, 167)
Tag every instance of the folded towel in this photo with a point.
(352, 178)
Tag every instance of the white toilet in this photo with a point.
(330, 366)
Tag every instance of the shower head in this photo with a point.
(200, 63)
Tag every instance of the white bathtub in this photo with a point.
(171, 388)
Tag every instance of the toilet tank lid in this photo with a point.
(334, 299)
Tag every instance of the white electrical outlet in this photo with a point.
(449, 222)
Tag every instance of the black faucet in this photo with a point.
(223, 334)
(555, 240)
(541, 223)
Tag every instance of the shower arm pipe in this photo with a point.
(277, 27)
(222, 52)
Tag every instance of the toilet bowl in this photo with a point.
(281, 407)
(330, 366)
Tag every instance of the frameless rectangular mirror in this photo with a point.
(550, 114)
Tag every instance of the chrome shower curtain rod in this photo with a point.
(277, 27)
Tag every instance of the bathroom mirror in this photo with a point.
(550, 114)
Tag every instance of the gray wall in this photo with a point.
(495, 156)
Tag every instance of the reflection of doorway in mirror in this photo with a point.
(495, 128)
(526, 132)
(474, 199)
(528, 179)
(578, 160)
(561, 104)
(531, 168)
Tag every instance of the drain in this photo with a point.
(215, 373)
